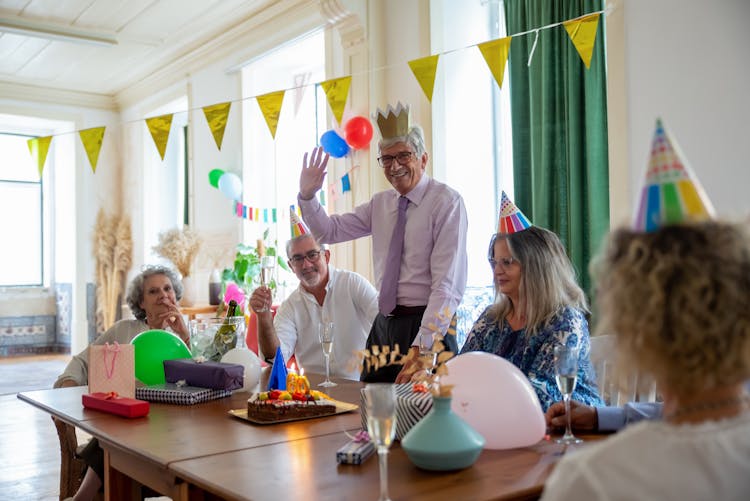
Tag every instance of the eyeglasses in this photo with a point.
(311, 256)
(402, 158)
(504, 262)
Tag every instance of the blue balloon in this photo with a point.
(333, 144)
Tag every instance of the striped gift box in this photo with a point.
(411, 407)
(170, 393)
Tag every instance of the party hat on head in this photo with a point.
(671, 193)
(511, 218)
(277, 381)
(393, 122)
(297, 226)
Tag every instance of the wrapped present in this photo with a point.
(171, 393)
(214, 375)
(357, 450)
(413, 402)
(114, 404)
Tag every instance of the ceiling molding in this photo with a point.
(25, 92)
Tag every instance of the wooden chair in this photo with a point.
(71, 467)
(638, 388)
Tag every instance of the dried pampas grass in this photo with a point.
(113, 251)
(181, 247)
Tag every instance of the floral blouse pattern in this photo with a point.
(534, 354)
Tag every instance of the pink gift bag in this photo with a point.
(112, 369)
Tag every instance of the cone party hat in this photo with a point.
(277, 381)
(671, 193)
(511, 218)
(296, 225)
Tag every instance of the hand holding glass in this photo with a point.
(326, 341)
(566, 374)
(380, 404)
(267, 264)
(427, 356)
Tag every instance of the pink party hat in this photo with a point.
(297, 226)
(511, 218)
(671, 193)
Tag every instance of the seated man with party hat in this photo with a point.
(325, 294)
(538, 305)
(418, 233)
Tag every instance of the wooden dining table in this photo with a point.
(203, 452)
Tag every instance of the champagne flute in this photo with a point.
(566, 374)
(267, 264)
(326, 341)
(380, 405)
(427, 357)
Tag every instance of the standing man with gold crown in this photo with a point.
(418, 236)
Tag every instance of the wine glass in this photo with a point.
(326, 341)
(267, 264)
(427, 356)
(566, 374)
(380, 405)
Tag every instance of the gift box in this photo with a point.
(214, 375)
(355, 451)
(171, 393)
(114, 404)
(411, 407)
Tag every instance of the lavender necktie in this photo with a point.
(389, 285)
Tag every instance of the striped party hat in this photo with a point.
(671, 193)
(297, 226)
(511, 218)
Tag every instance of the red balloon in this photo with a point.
(358, 132)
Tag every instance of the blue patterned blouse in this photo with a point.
(534, 355)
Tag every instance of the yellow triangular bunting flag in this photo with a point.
(424, 69)
(495, 54)
(582, 33)
(92, 143)
(159, 128)
(337, 89)
(38, 147)
(270, 106)
(216, 116)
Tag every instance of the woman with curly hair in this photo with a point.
(678, 301)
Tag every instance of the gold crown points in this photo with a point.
(394, 122)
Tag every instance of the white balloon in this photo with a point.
(249, 361)
(496, 399)
(230, 185)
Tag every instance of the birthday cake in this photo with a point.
(281, 405)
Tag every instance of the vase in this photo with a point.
(442, 441)
(189, 292)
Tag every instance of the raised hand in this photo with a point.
(260, 299)
(173, 319)
(313, 173)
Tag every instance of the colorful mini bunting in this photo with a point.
(671, 193)
(39, 147)
(424, 70)
(511, 218)
(495, 53)
(270, 106)
(159, 128)
(345, 186)
(337, 90)
(582, 33)
(216, 116)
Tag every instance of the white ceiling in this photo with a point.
(149, 34)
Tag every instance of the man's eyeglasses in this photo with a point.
(402, 158)
(311, 256)
(504, 262)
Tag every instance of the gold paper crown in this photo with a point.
(394, 122)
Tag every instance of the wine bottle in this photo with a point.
(226, 335)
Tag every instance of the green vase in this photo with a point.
(442, 440)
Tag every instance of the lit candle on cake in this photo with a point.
(302, 381)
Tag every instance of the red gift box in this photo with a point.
(114, 404)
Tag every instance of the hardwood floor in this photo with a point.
(29, 447)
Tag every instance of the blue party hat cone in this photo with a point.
(277, 381)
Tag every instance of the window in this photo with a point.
(21, 206)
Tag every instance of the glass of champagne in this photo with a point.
(267, 264)
(326, 341)
(380, 405)
(566, 374)
(427, 357)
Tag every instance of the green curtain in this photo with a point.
(559, 117)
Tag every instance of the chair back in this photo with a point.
(638, 388)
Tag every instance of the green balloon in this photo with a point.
(152, 348)
(213, 177)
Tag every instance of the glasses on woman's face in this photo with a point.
(311, 256)
(504, 262)
(402, 158)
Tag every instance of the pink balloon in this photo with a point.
(496, 399)
(234, 292)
